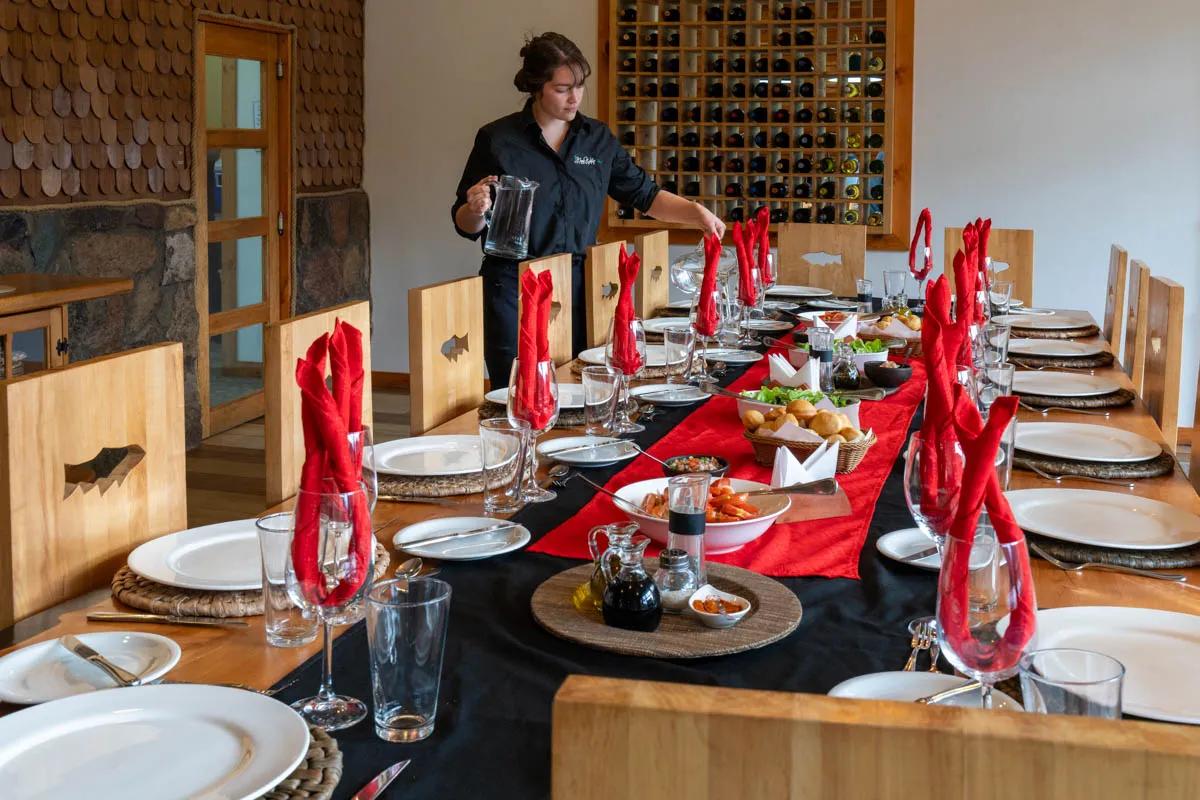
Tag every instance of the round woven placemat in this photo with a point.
(648, 373)
(317, 775)
(436, 486)
(570, 418)
(1178, 558)
(1163, 464)
(1074, 362)
(145, 595)
(1121, 397)
(774, 613)
(1060, 333)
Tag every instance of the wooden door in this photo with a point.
(244, 191)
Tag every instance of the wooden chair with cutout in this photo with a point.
(560, 306)
(1133, 359)
(445, 350)
(1010, 248)
(602, 279)
(1164, 356)
(1114, 299)
(825, 256)
(654, 279)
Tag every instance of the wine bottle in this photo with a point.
(875, 219)
(803, 165)
(691, 164)
(760, 64)
(780, 65)
(781, 90)
(805, 114)
(804, 141)
(758, 114)
(692, 188)
(875, 141)
(827, 140)
(714, 90)
(651, 39)
(852, 114)
(716, 65)
(628, 64)
(806, 89)
(671, 186)
(628, 138)
(850, 216)
(783, 166)
(850, 89)
(780, 116)
(733, 189)
(854, 62)
(877, 191)
(650, 64)
(781, 139)
(670, 89)
(853, 191)
(714, 13)
(629, 114)
(691, 139)
(735, 140)
(714, 163)
(760, 139)
(826, 214)
(778, 215)
(778, 189)
(804, 12)
(671, 64)
(875, 64)
(736, 115)
(803, 190)
(624, 212)
(876, 36)
(877, 115)
(716, 114)
(827, 114)
(650, 89)
(673, 39)
(783, 11)
(737, 38)
(737, 14)
(671, 15)
(761, 89)
(671, 164)
(672, 139)
(629, 90)
(758, 164)
(627, 38)
(670, 114)
(826, 189)
(735, 165)
(738, 64)
(784, 39)
(737, 214)
(853, 140)
(629, 14)
(804, 64)
(875, 166)
(737, 90)
(802, 215)
(805, 38)
(875, 89)
(693, 113)
(758, 189)
(715, 139)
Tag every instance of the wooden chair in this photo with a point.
(687, 740)
(1133, 358)
(1194, 462)
(93, 466)
(826, 256)
(285, 341)
(560, 308)
(1011, 246)
(602, 278)
(445, 351)
(1164, 356)
(1114, 299)
(654, 279)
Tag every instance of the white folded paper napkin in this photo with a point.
(820, 464)
(807, 375)
(848, 328)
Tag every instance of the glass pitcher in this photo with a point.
(617, 538)
(631, 598)
(508, 218)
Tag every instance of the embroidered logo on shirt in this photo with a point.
(586, 161)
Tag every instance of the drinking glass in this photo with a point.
(626, 404)
(406, 633)
(502, 443)
(333, 531)
(966, 376)
(991, 382)
(773, 271)
(972, 628)
(703, 375)
(991, 344)
(362, 452)
(680, 346)
(865, 289)
(541, 417)
(1078, 683)
(933, 513)
(601, 395)
(287, 624)
(1001, 295)
(895, 294)
(731, 311)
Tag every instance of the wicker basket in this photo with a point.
(850, 454)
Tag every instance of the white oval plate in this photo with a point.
(154, 743)
(656, 356)
(224, 557)
(1063, 384)
(600, 457)
(1054, 348)
(1104, 519)
(903, 544)
(669, 394)
(769, 325)
(910, 686)
(570, 395)
(46, 671)
(1084, 442)
(472, 549)
(1053, 322)
(1159, 650)
(732, 355)
(779, 305)
(660, 324)
(791, 290)
(426, 456)
(1015, 303)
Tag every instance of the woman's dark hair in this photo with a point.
(542, 55)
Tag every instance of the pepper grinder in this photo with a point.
(820, 347)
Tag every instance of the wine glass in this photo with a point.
(329, 571)
(622, 423)
(362, 453)
(747, 313)
(539, 407)
(979, 588)
(1001, 295)
(933, 508)
(702, 375)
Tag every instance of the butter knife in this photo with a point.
(122, 677)
(446, 537)
(164, 619)
(381, 781)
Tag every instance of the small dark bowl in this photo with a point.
(716, 473)
(888, 377)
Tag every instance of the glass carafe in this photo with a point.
(617, 537)
(631, 598)
(508, 219)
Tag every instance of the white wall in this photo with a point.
(1077, 118)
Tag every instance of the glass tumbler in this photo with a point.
(286, 623)
(601, 393)
(680, 345)
(502, 442)
(895, 295)
(406, 633)
(1079, 683)
(865, 289)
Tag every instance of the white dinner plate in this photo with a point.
(152, 743)
(470, 549)
(779, 305)
(48, 671)
(570, 395)
(656, 356)
(1053, 322)
(1015, 303)
(791, 290)
(669, 394)
(1159, 650)
(1063, 384)
(770, 325)
(612, 451)
(660, 324)
(1104, 519)
(910, 686)
(1085, 442)
(1054, 348)
(680, 305)
(224, 557)
(426, 456)
(903, 544)
(731, 355)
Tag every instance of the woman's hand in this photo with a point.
(479, 196)
(709, 222)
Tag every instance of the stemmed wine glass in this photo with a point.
(933, 511)
(702, 375)
(621, 422)
(745, 337)
(332, 578)
(362, 453)
(541, 416)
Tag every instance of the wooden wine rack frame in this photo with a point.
(841, 28)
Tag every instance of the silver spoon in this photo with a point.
(409, 568)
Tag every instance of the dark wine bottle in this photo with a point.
(737, 90)
(669, 114)
(804, 64)
(735, 140)
(758, 164)
(691, 164)
(716, 65)
(877, 36)
(670, 89)
(735, 165)
(805, 38)
(629, 114)
(760, 64)
(758, 189)
(692, 188)
(804, 141)
(781, 90)
(852, 114)
(737, 214)
(828, 166)
(627, 38)
(671, 64)
(875, 64)
(693, 114)
(877, 115)
(780, 116)
(875, 141)
(624, 212)
(733, 189)
(736, 115)
(778, 215)
(691, 139)
(715, 90)
(673, 39)
(672, 139)
(826, 189)
(758, 114)
(670, 15)
(628, 64)
(804, 12)
(650, 89)
(629, 90)
(854, 62)
(737, 14)
(738, 64)
(716, 114)
(806, 89)
(714, 163)
(803, 165)
(651, 39)
(761, 90)
(784, 39)
(803, 190)
(875, 89)
(671, 164)
(827, 140)
(826, 215)
(650, 64)
(783, 11)
(671, 186)
(629, 14)
(805, 114)
(853, 191)
(877, 191)
(628, 138)
(781, 139)
(802, 215)
(780, 65)
(783, 166)
(737, 38)
(778, 189)
(714, 13)
(714, 138)
(875, 166)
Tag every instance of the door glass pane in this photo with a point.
(235, 183)
(235, 364)
(235, 273)
(29, 352)
(233, 92)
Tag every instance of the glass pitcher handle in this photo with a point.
(487, 215)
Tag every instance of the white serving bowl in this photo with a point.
(719, 537)
(717, 620)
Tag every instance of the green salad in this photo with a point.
(782, 395)
(867, 346)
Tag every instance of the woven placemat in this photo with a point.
(648, 373)
(1177, 558)
(775, 612)
(1073, 362)
(317, 775)
(569, 418)
(145, 595)
(1121, 397)
(1163, 464)
(436, 486)
(1060, 333)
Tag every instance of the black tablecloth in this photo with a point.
(501, 669)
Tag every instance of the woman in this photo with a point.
(576, 161)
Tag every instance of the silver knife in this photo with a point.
(164, 619)
(585, 447)
(373, 789)
(123, 677)
(446, 537)
(919, 555)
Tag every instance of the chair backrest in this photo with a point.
(286, 341)
(1133, 358)
(1194, 463)
(445, 351)
(826, 256)
(1164, 355)
(1010, 246)
(602, 278)
(560, 308)
(674, 739)
(1114, 299)
(654, 279)
(92, 466)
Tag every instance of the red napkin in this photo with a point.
(625, 355)
(328, 468)
(761, 235)
(707, 319)
(924, 222)
(940, 337)
(985, 229)
(743, 242)
(532, 398)
(966, 277)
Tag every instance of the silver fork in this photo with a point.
(1088, 370)
(1067, 566)
(920, 641)
(1078, 477)
(1044, 410)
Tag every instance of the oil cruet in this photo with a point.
(616, 536)
(631, 598)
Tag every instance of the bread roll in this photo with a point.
(801, 409)
(850, 434)
(785, 419)
(825, 423)
(753, 418)
(837, 437)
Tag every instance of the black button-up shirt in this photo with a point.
(572, 183)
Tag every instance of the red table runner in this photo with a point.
(826, 547)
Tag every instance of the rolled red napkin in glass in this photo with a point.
(965, 288)
(762, 240)
(940, 336)
(532, 398)
(747, 293)
(924, 223)
(707, 318)
(625, 355)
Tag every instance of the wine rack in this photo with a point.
(804, 106)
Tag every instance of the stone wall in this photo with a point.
(332, 251)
